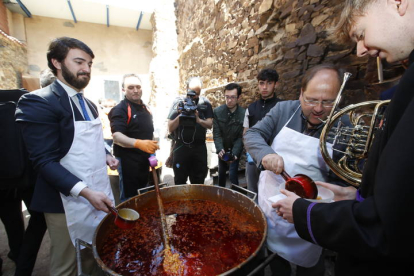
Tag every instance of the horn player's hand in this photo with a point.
(149, 146)
(340, 193)
(273, 162)
(284, 207)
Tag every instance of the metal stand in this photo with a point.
(80, 242)
(263, 265)
(244, 191)
(150, 188)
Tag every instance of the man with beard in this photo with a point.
(63, 135)
(132, 129)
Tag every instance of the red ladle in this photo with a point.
(300, 184)
(125, 218)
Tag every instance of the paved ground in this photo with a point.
(42, 263)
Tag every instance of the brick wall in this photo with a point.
(4, 26)
(13, 62)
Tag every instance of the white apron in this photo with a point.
(301, 155)
(86, 159)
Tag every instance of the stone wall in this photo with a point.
(13, 62)
(232, 40)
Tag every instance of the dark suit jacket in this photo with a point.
(46, 121)
(15, 168)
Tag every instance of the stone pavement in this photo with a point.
(42, 262)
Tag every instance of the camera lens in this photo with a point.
(227, 157)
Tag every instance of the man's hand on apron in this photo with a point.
(97, 199)
(284, 206)
(112, 162)
(273, 162)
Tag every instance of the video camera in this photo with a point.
(228, 156)
(187, 109)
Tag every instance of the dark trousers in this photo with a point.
(33, 237)
(24, 245)
(190, 162)
(12, 218)
(133, 175)
(233, 169)
(282, 267)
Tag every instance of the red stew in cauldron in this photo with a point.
(209, 237)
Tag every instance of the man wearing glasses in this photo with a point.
(228, 134)
(287, 138)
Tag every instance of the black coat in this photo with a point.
(373, 236)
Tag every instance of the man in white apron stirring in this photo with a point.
(287, 138)
(63, 134)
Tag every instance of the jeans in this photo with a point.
(233, 169)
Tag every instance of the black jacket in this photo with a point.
(259, 108)
(228, 129)
(373, 235)
(15, 168)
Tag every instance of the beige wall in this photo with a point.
(118, 50)
(17, 28)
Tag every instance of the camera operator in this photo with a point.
(188, 120)
(228, 134)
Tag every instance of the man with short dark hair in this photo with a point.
(371, 228)
(189, 133)
(267, 82)
(228, 134)
(287, 138)
(63, 136)
(132, 130)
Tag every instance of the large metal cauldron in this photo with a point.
(220, 195)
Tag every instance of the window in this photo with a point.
(112, 90)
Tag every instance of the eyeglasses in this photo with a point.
(316, 103)
(230, 97)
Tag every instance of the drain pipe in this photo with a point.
(71, 10)
(23, 7)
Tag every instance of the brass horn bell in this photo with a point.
(365, 118)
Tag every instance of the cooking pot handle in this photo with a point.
(80, 242)
(245, 191)
(146, 189)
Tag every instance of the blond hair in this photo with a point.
(351, 9)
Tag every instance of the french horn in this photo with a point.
(352, 140)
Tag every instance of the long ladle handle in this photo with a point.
(285, 175)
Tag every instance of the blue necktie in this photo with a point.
(82, 104)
